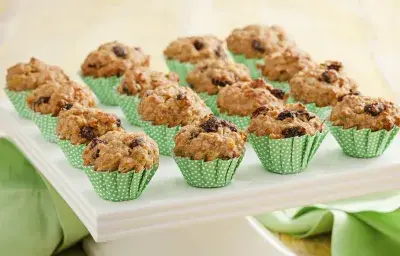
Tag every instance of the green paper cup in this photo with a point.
(116, 186)
(47, 125)
(73, 153)
(181, 68)
(251, 64)
(213, 174)
(278, 85)
(129, 105)
(363, 143)
(103, 87)
(241, 121)
(321, 112)
(18, 99)
(163, 135)
(210, 100)
(286, 156)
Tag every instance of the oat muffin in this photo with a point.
(172, 105)
(363, 112)
(138, 81)
(212, 139)
(51, 97)
(242, 98)
(210, 75)
(28, 76)
(279, 122)
(322, 85)
(80, 125)
(113, 59)
(121, 151)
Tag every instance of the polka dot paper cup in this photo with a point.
(321, 112)
(18, 99)
(286, 156)
(251, 64)
(103, 87)
(213, 174)
(181, 68)
(116, 186)
(73, 153)
(47, 125)
(363, 143)
(129, 105)
(210, 100)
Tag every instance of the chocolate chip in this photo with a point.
(340, 98)
(42, 100)
(194, 135)
(92, 65)
(220, 83)
(198, 45)
(335, 66)
(374, 109)
(118, 122)
(230, 125)
(96, 141)
(285, 114)
(126, 91)
(136, 142)
(67, 106)
(260, 110)
(96, 154)
(306, 114)
(211, 125)
(278, 93)
(256, 45)
(293, 132)
(119, 51)
(180, 96)
(87, 132)
(329, 76)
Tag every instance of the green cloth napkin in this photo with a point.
(34, 219)
(367, 226)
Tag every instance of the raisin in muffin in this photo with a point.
(364, 112)
(322, 85)
(51, 97)
(210, 75)
(212, 139)
(172, 105)
(28, 76)
(80, 124)
(113, 59)
(121, 151)
(255, 41)
(242, 98)
(278, 122)
(138, 81)
(195, 48)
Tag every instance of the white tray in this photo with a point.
(168, 201)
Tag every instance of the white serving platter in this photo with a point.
(169, 202)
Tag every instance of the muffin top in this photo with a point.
(242, 98)
(27, 76)
(364, 112)
(138, 81)
(51, 97)
(279, 122)
(255, 41)
(210, 75)
(113, 59)
(121, 151)
(283, 64)
(172, 105)
(212, 139)
(80, 124)
(322, 84)
(196, 48)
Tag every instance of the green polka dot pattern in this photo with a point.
(251, 64)
(163, 135)
(286, 156)
(279, 85)
(241, 121)
(182, 69)
(211, 101)
(47, 125)
(322, 113)
(73, 153)
(103, 88)
(18, 99)
(116, 186)
(212, 174)
(129, 105)
(363, 143)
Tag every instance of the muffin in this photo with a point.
(184, 53)
(167, 108)
(135, 84)
(250, 44)
(364, 126)
(78, 125)
(280, 66)
(208, 153)
(237, 102)
(103, 68)
(24, 77)
(285, 137)
(120, 164)
(47, 101)
(210, 75)
(320, 87)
